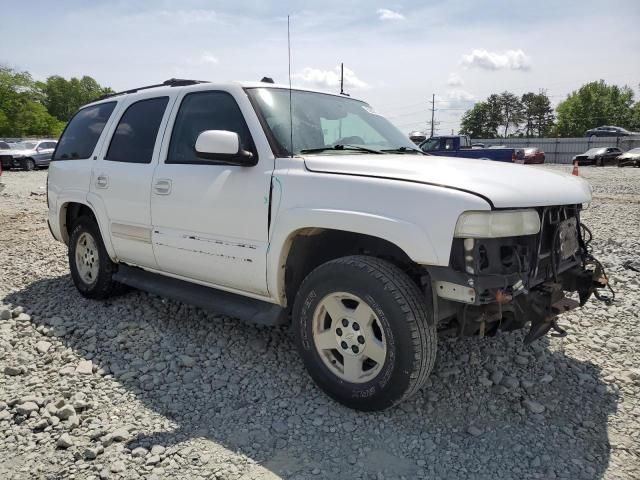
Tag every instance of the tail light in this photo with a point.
(514, 157)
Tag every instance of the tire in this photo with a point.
(94, 278)
(28, 164)
(401, 322)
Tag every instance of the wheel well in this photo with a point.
(73, 211)
(311, 247)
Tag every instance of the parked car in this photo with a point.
(28, 154)
(230, 197)
(460, 146)
(533, 155)
(607, 131)
(630, 158)
(599, 156)
(1, 183)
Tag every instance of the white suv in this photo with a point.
(318, 212)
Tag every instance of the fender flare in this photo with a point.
(410, 238)
(98, 212)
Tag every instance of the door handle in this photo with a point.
(102, 181)
(162, 187)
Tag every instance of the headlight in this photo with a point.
(511, 223)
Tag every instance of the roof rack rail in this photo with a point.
(172, 82)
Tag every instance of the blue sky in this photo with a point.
(397, 54)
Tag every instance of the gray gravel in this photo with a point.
(142, 387)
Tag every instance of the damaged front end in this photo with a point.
(506, 282)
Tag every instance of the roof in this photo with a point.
(174, 83)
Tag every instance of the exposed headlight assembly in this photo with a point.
(508, 223)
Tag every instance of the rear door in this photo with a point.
(122, 173)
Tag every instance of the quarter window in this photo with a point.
(200, 111)
(135, 135)
(83, 131)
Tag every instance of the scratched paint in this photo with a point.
(212, 254)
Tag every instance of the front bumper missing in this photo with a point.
(482, 304)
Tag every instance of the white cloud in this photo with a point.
(511, 59)
(208, 58)
(329, 78)
(386, 14)
(455, 98)
(455, 80)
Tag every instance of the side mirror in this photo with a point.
(223, 146)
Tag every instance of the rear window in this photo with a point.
(83, 131)
(135, 136)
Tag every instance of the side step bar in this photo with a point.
(226, 303)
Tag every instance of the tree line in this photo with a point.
(33, 108)
(531, 115)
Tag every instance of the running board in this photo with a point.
(226, 303)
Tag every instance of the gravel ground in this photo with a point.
(142, 387)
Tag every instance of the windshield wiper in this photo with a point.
(355, 148)
(403, 150)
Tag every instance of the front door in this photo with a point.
(210, 219)
(121, 179)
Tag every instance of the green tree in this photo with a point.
(64, 97)
(21, 112)
(474, 121)
(593, 105)
(494, 115)
(635, 117)
(510, 110)
(537, 114)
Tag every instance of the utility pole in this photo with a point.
(433, 110)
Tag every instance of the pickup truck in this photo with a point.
(460, 146)
(274, 206)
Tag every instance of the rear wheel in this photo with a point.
(90, 265)
(28, 164)
(365, 332)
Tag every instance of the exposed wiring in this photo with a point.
(590, 259)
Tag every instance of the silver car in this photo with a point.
(28, 154)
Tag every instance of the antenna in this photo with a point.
(342, 80)
(290, 99)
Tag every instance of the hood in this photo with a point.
(505, 185)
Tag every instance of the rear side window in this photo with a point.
(135, 136)
(200, 111)
(83, 131)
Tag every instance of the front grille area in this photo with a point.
(536, 258)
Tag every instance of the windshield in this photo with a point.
(634, 150)
(29, 145)
(4, 146)
(323, 121)
(530, 150)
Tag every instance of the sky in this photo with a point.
(396, 54)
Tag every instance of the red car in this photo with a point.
(533, 155)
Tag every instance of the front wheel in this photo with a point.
(28, 164)
(365, 332)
